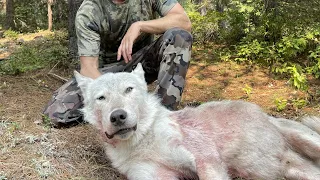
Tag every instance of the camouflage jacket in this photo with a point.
(101, 25)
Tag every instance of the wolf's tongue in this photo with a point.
(109, 136)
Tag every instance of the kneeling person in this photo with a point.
(116, 35)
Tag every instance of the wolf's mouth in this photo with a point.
(121, 131)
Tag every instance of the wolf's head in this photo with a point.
(116, 103)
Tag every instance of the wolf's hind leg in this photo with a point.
(303, 139)
(298, 167)
(312, 122)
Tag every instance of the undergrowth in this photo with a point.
(43, 52)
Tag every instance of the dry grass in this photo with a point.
(9, 45)
(30, 150)
(29, 36)
(228, 80)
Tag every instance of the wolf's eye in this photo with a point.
(129, 89)
(101, 98)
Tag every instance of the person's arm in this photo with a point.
(176, 17)
(89, 67)
(88, 38)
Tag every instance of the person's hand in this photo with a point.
(125, 48)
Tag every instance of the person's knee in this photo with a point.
(178, 37)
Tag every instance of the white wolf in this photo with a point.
(216, 141)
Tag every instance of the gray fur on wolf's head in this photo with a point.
(115, 103)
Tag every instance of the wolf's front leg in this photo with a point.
(212, 171)
(180, 159)
(150, 171)
(195, 166)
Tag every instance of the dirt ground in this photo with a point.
(29, 149)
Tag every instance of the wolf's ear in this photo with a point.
(82, 81)
(139, 71)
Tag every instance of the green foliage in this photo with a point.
(281, 104)
(282, 35)
(251, 51)
(299, 103)
(290, 46)
(11, 34)
(204, 27)
(2, 177)
(31, 15)
(314, 57)
(298, 78)
(247, 90)
(46, 121)
(38, 54)
(284, 56)
(14, 127)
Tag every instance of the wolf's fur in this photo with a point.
(216, 141)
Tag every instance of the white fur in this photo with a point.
(217, 140)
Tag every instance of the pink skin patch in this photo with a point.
(200, 137)
(113, 142)
(164, 173)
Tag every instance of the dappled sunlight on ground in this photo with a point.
(29, 149)
(7, 45)
(209, 80)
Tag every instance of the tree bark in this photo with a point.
(9, 24)
(50, 2)
(220, 8)
(273, 32)
(73, 8)
(202, 8)
(3, 6)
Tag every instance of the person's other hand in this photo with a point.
(125, 48)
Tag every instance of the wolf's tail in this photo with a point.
(303, 137)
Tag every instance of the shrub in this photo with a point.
(37, 54)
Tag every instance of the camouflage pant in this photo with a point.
(165, 60)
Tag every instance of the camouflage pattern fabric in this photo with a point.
(165, 60)
(101, 25)
(63, 108)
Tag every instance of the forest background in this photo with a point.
(262, 51)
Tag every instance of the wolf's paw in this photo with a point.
(193, 104)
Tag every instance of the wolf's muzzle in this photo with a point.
(118, 117)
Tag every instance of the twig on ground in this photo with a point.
(55, 75)
(53, 67)
(2, 59)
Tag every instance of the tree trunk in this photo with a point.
(73, 8)
(50, 2)
(202, 8)
(273, 32)
(9, 24)
(269, 5)
(220, 8)
(3, 6)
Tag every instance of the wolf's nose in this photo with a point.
(118, 117)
